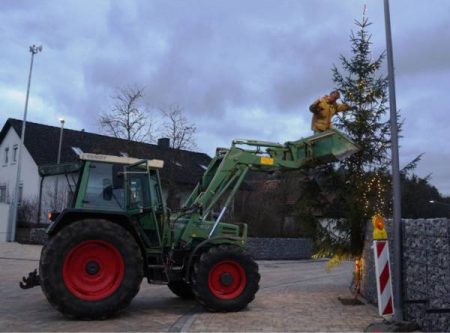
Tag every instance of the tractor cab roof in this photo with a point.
(158, 164)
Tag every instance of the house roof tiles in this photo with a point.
(42, 143)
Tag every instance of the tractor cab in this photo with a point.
(113, 187)
(118, 184)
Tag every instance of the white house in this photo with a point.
(40, 192)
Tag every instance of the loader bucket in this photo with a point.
(331, 146)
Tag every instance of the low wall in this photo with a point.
(426, 271)
(31, 235)
(279, 248)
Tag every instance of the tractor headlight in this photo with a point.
(52, 215)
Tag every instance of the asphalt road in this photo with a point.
(294, 296)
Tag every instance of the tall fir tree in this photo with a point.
(363, 193)
(357, 187)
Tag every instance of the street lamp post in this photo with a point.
(12, 234)
(60, 140)
(58, 159)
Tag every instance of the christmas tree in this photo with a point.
(355, 189)
(364, 191)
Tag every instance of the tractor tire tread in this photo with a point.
(199, 278)
(52, 258)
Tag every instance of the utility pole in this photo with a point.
(397, 269)
(13, 225)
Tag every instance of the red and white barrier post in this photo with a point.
(382, 267)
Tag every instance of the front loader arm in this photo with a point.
(228, 168)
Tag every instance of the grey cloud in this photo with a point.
(425, 51)
(222, 59)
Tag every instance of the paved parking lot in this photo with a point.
(294, 296)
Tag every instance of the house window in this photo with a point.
(178, 164)
(6, 157)
(15, 150)
(3, 193)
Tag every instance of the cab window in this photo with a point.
(105, 187)
(138, 189)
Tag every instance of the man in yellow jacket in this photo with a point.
(324, 109)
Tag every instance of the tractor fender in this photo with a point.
(71, 215)
(68, 216)
(207, 243)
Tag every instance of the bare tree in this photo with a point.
(178, 129)
(26, 213)
(129, 118)
(54, 200)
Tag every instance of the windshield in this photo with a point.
(104, 189)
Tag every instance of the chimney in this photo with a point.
(164, 143)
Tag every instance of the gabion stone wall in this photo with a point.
(426, 272)
(279, 248)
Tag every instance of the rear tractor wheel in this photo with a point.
(225, 278)
(91, 269)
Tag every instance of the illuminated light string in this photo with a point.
(372, 185)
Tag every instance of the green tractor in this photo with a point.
(118, 230)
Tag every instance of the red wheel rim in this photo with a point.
(227, 279)
(93, 270)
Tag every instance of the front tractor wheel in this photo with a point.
(225, 278)
(91, 269)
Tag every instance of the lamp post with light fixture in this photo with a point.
(58, 159)
(13, 224)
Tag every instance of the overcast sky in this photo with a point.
(240, 69)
